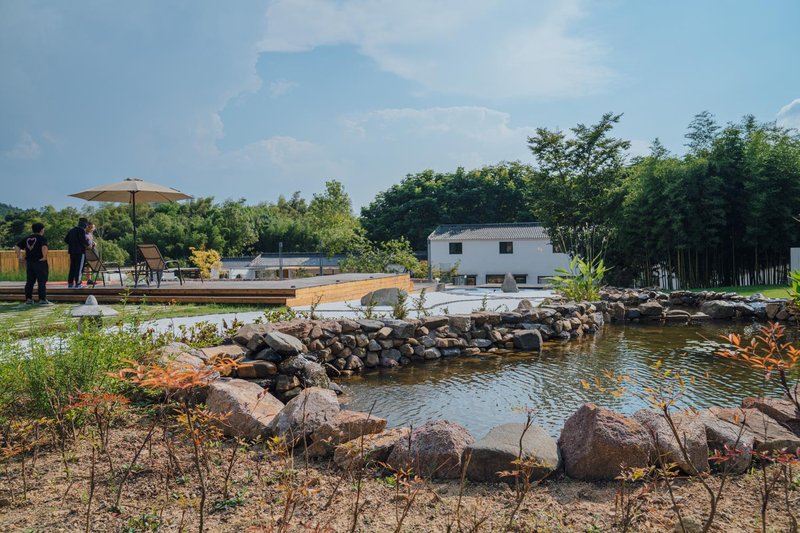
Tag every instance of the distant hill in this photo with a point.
(6, 209)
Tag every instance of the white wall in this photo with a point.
(795, 259)
(532, 257)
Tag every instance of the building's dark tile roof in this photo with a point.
(290, 259)
(466, 232)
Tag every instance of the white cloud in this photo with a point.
(26, 148)
(789, 115)
(280, 87)
(466, 47)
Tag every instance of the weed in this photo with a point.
(582, 280)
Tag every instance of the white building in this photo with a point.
(486, 252)
(795, 259)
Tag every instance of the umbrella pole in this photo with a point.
(135, 250)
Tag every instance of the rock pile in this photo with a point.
(289, 356)
(651, 304)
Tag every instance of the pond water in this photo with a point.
(482, 392)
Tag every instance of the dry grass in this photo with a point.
(161, 494)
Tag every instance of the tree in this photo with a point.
(578, 182)
(331, 217)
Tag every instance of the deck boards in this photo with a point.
(303, 291)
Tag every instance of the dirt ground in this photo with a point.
(272, 492)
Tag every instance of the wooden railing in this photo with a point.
(10, 266)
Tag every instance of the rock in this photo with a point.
(432, 353)
(343, 427)
(721, 434)
(400, 328)
(249, 331)
(434, 450)
(692, 435)
(348, 326)
(768, 434)
(314, 375)
(233, 351)
(783, 411)
(293, 364)
(501, 446)
(632, 314)
(372, 360)
(383, 333)
(527, 339)
(596, 442)
(651, 309)
(718, 309)
(304, 414)
(773, 308)
(389, 296)
(268, 354)
(250, 408)
(284, 344)
(433, 322)
(481, 343)
(256, 369)
(371, 449)
(509, 284)
(284, 383)
(524, 305)
(678, 314)
(370, 325)
(462, 323)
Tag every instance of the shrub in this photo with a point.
(43, 375)
(205, 260)
(382, 257)
(794, 292)
(582, 280)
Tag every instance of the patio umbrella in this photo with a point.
(131, 191)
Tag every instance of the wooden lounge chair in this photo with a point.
(97, 267)
(153, 263)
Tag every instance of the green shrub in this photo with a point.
(794, 292)
(40, 376)
(582, 280)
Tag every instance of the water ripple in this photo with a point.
(481, 392)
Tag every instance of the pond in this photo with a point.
(482, 392)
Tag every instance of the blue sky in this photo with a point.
(252, 99)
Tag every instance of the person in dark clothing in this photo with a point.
(35, 248)
(76, 246)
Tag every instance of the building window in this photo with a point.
(507, 247)
(470, 279)
(495, 278)
(522, 279)
(455, 248)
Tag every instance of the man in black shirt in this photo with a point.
(35, 248)
(76, 246)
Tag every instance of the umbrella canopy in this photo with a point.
(132, 191)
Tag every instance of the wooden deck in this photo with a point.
(292, 292)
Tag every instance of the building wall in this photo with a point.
(532, 257)
(795, 259)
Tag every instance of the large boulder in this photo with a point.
(509, 284)
(434, 450)
(249, 408)
(400, 328)
(389, 296)
(692, 435)
(497, 451)
(651, 309)
(721, 437)
(783, 411)
(719, 308)
(284, 344)
(527, 339)
(371, 449)
(768, 434)
(596, 443)
(304, 414)
(343, 427)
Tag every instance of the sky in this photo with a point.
(254, 99)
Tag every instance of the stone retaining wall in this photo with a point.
(651, 304)
(292, 362)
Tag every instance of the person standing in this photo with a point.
(90, 245)
(35, 248)
(76, 246)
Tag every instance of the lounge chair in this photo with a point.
(153, 263)
(97, 267)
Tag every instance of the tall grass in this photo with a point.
(40, 376)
